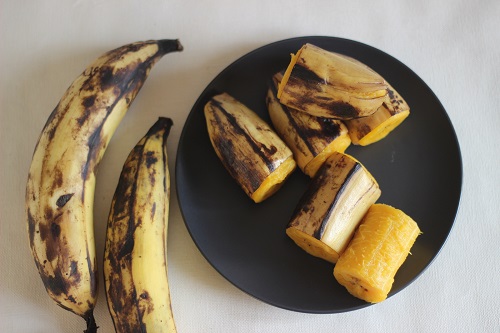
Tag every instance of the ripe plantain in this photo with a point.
(61, 180)
(333, 205)
(252, 153)
(135, 257)
(373, 128)
(311, 139)
(328, 84)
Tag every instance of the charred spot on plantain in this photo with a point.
(63, 199)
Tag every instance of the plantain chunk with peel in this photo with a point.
(252, 153)
(367, 130)
(311, 139)
(336, 200)
(327, 84)
(378, 249)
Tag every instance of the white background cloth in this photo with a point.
(454, 46)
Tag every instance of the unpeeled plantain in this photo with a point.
(61, 180)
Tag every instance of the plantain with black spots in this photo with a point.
(61, 180)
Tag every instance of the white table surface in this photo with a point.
(454, 46)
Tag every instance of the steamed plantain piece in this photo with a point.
(329, 211)
(327, 84)
(311, 139)
(252, 153)
(378, 249)
(393, 111)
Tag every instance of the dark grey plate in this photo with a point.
(418, 167)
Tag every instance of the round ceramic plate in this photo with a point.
(418, 167)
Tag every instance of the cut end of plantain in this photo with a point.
(379, 247)
(251, 152)
(367, 130)
(274, 181)
(333, 205)
(311, 245)
(311, 139)
(382, 130)
(340, 144)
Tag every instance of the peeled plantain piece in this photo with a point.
(329, 211)
(378, 249)
(327, 84)
(311, 139)
(252, 153)
(393, 111)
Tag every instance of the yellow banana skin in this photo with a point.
(135, 258)
(252, 153)
(61, 180)
(327, 84)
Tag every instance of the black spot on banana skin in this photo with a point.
(261, 150)
(106, 78)
(55, 230)
(63, 199)
(150, 159)
(153, 210)
(329, 129)
(31, 228)
(56, 284)
(74, 273)
(89, 101)
(93, 280)
(302, 76)
(127, 247)
(48, 213)
(58, 178)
